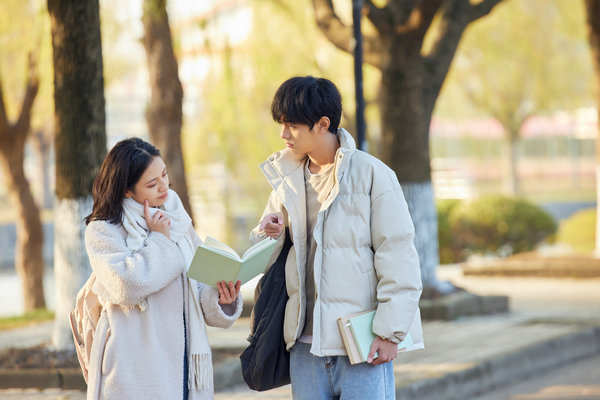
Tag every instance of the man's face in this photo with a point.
(299, 138)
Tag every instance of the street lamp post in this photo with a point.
(357, 6)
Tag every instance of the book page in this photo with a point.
(348, 339)
(257, 248)
(361, 327)
(218, 245)
(214, 262)
(256, 261)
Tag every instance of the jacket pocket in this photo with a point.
(97, 356)
(99, 345)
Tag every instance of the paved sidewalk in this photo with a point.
(552, 322)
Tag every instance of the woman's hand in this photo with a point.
(228, 293)
(159, 222)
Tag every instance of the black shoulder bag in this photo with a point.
(266, 362)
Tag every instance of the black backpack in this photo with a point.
(266, 362)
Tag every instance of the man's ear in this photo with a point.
(324, 123)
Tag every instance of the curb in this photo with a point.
(482, 377)
(226, 374)
(491, 373)
(445, 308)
(462, 304)
(42, 378)
(533, 265)
(504, 369)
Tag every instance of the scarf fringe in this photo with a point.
(200, 371)
(143, 304)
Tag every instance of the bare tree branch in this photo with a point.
(484, 8)
(400, 10)
(341, 35)
(422, 15)
(332, 26)
(394, 13)
(3, 118)
(380, 17)
(24, 120)
(593, 24)
(455, 18)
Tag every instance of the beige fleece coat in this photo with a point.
(139, 354)
(365, 257)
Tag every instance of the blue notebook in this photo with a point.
(357, 334)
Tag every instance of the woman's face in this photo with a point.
(153, 185)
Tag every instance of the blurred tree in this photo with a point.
(593, 24)
(413, 67)
(80, 145)
(41, 141)
(234, 124)
(164, 114)
(28, 256)
(22, 28)
(506, 70)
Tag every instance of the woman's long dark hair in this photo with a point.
(120, 171)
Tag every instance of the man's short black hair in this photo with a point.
(304, 100)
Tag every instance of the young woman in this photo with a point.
(150, 341)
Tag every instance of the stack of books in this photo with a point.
(357, 333)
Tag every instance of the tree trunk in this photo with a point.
(80, 145)
(405, 148)
(593, 23)
(42, 144)
(411, 80)
(404, 125)
(511, 178)
(71, 264)
(29, 262)
(164, 114)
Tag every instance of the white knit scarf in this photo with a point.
(134, 222)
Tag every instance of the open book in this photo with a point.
(214, 262)
(357, 334)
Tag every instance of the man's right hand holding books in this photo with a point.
(272, 225)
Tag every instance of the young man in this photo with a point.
(353, 247)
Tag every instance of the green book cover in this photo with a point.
(214, 262)
(362, 331)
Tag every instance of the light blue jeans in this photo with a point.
(333, 377)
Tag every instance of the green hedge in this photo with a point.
(579, 231)
(491, 224)
(448, 254)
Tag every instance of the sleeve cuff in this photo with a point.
(221, 316)
(397, 338)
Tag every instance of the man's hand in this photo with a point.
(387, 351)
(272, 224)
(228, 293)
(159, 222)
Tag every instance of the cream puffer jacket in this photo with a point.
(365, 256)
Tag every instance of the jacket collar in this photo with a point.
(285, 172)
(283, 163)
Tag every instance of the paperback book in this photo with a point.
(214, 262)
(357, 334)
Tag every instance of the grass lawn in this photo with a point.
(26, 319)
